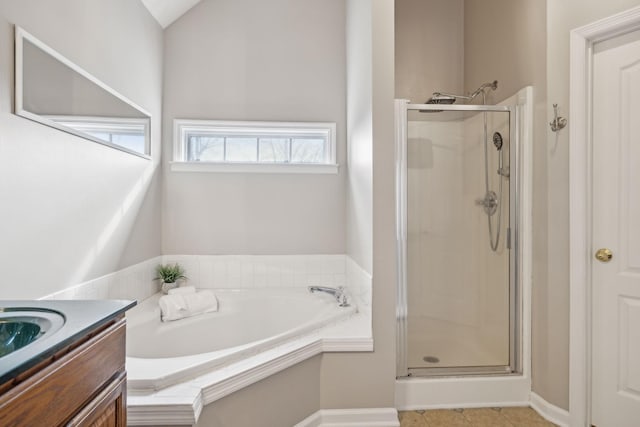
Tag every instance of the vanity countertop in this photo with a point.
(81, 317)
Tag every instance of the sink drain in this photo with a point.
(431, 359)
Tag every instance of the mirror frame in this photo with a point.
(20, 36)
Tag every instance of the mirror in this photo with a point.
(53, 91)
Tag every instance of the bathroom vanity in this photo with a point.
(71, 374)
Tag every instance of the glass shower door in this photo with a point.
(456, 175)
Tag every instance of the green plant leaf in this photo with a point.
(170, 273)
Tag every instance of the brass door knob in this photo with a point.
(604, 255)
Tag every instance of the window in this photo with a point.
(128, 133)
(204, 145)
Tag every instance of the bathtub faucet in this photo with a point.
(339, 293)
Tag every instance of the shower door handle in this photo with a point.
(604, 255)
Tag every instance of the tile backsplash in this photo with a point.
(249, 271)
(134, 282)
(230, 271)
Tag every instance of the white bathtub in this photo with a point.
(250, 321)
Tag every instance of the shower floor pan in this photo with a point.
(438, 345)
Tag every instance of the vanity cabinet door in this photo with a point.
(107, 409)
(92, 372)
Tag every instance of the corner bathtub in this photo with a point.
(249, 321)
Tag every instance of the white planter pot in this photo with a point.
(167, 286)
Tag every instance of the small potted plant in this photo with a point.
(169, 274)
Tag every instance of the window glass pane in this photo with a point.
(205, 149)
(274, 150)
(307, 150)
(130, 141)
(104, 136)
(242, 149)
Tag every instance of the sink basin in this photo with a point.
(20, 327)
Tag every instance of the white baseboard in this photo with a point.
(366, 417)
(550, 412)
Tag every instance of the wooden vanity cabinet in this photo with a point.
(84, 384)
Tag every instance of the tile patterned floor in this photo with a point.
(481, 417)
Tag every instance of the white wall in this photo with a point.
(359, 133)
(368, 380)
(69, 205)
(254, 60)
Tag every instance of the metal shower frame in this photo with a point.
(402, 107)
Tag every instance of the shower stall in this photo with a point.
(458, 308)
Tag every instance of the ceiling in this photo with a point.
(167, 11)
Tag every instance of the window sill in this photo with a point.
(212, 167)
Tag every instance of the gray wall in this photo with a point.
(282, 399)
(429, 48)
(69, 205)
(524, 57)
(281, 60)
(357, 379)
(504, 41)
(553, 315)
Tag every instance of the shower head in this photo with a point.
(497, 140)
(440, 98)
(450, 98)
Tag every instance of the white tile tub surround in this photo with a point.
(359, 284)
(230, 272)
(133, 283)
(256, 271)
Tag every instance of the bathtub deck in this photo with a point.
(181, 404)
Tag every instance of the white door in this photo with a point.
(616, 226)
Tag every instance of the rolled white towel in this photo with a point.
(172, 307)
(201, 302)
(181, 305)
(183, 290)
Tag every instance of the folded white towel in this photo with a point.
(181, 305)
(183, 290)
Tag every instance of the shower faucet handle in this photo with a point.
(489, 203)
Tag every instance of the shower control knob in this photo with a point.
(604, 255)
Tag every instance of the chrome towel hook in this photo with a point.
(558, 122)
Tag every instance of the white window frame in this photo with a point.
(182, 127)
